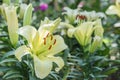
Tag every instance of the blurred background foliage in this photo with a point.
(78, 66)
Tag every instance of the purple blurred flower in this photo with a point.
(43, 6)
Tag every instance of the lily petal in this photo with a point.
(50, 25)
(42, 67)
(112, 10)
(59, 61)
(27, 32)
(84, 32)
(70, 32)
(21, 51)
(57, 47)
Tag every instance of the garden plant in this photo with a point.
(59, 40)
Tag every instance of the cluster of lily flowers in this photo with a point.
(43, 45)
(86, 27)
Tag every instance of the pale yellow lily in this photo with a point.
(43, 46)
(82, 33)
(114, 9)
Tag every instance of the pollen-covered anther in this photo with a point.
(50, 47)
(54, 41)
(82, 17)
(51, 37)
(44, 41)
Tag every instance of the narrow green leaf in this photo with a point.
(8, 54)
(111, 70)
(8, 60)
(28, 15)
(2, 69)
(12, 74)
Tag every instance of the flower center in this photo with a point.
(82, 17)
(49, 41)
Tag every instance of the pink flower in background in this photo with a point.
(43, 6)
(81, 4)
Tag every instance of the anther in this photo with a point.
(51, 37)
(54, 42)
(44, 41)
(50, 47)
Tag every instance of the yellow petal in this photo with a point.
(98, 28)
(57, 47)
(84, 32)
(71, 31)
(12, 23)
(42, 67)
(49, 25)
(59, 61)
(27, 32)
(112, 10)
(117, 3)
(21, 51)
(96, 44)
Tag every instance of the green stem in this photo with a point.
(66, 74)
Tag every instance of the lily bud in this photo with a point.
(22, 10)
(95, 44)
(98, 28)
(27, 15)
(84, 32)
(2, 10)
(12, 23)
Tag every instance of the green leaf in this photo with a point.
(8, 54)
(111, 70)
(15, 76)
(2, 69)
(8, 60)
(27, 15)
(12, 74)
(101, 76)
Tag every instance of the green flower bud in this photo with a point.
(23, 7)
(12, 23)
(95, 44)
(98, 28)
(2, 10)
(28, 15)
(83, 33)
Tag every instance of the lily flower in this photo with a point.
(82, 33)
(42, 46)
(114, 9)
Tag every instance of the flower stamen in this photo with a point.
(51, 37)
(54, 41)
(50, 47)
(44, 41)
